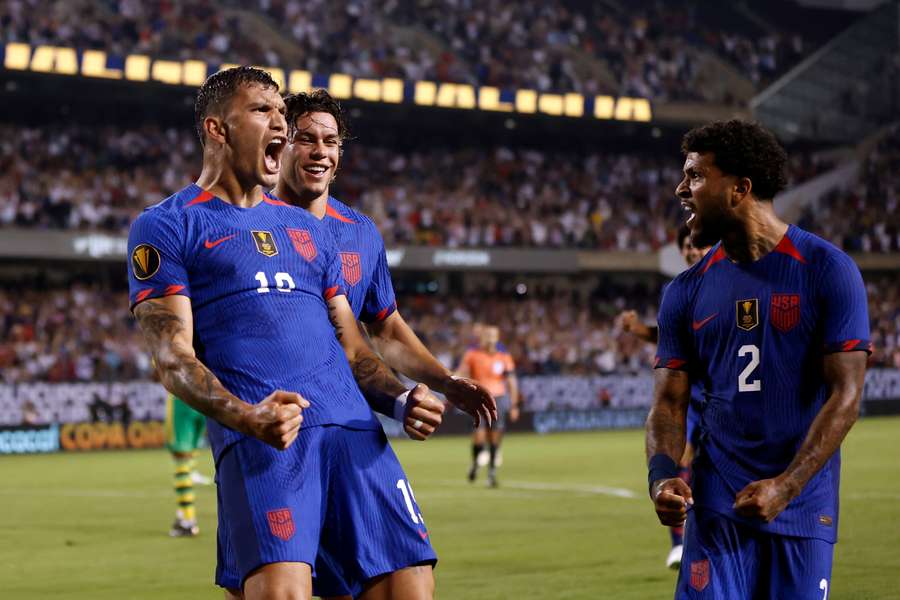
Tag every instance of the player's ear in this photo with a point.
(742, 189)
(214, 127)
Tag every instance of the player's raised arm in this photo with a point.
(419, 411)
(167, 325)
(404, 351)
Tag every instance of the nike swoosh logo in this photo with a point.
(699, 324)
(423, 534)
(209, 245)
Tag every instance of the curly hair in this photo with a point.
(219, 88)
(742, 149)
(316, 101)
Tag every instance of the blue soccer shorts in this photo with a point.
(726, 560)
(337, 499)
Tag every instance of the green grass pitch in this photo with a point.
(93, 526)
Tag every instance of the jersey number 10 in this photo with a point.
(283, 282)
(743, 384)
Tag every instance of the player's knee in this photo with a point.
(279, 581)
(421, 583)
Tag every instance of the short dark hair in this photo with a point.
(683, 232)
(319, 100)
(219, 87)
(742, 149)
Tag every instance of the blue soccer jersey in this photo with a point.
(258, 279)
(364, 267)
(755, 335)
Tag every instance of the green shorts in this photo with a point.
(184, 426)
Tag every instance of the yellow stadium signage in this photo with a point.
(61, 60)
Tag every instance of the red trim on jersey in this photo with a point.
(331, 212)
(786, 246)
(718, 255)
(273, 201)
(330, 292)
(173, 289)
(674, 363)
(142, 295)
(200, 198)
(849, 345)
(383, 313)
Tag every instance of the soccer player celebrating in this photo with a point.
(772, 322)
(240, 299)
(494, 369)
(650, 334)
(317, 131)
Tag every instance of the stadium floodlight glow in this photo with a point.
(192, 72)
(94, 64)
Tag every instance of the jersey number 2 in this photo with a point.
(743, 384)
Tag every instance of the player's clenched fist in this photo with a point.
(423, 413)
(276, 420)
(671, 499)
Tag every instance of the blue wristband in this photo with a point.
(661, 466)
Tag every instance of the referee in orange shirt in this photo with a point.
(495, 370)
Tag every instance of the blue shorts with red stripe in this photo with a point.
(727, 560)
(337, 499)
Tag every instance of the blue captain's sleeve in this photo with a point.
(156, 257)
(674, 348)
(842, 295)
(380, 301)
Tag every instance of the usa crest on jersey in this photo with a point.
(350, 265)
(281, 523)
(784, 311)
(303, 243)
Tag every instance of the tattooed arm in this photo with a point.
(375, 379)
(666, 426)
(845, 374)
(168, 326)
(402, 349)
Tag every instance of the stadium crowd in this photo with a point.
(79, 177)
(653, 49)
(874, 203)
(86, 333)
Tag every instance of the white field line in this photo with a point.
(544, 486)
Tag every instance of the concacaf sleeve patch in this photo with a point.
(144, 261)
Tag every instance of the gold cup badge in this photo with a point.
(145, 261)
(265, 242)
(747, 314)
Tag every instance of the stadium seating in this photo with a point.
(652, 49)
(85, 333)
(77, 177)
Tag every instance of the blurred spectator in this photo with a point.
(874, 203)
(650, 49)
(81, 177)
(86, 333)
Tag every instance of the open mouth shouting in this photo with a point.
(689, 207)
(273, 154)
